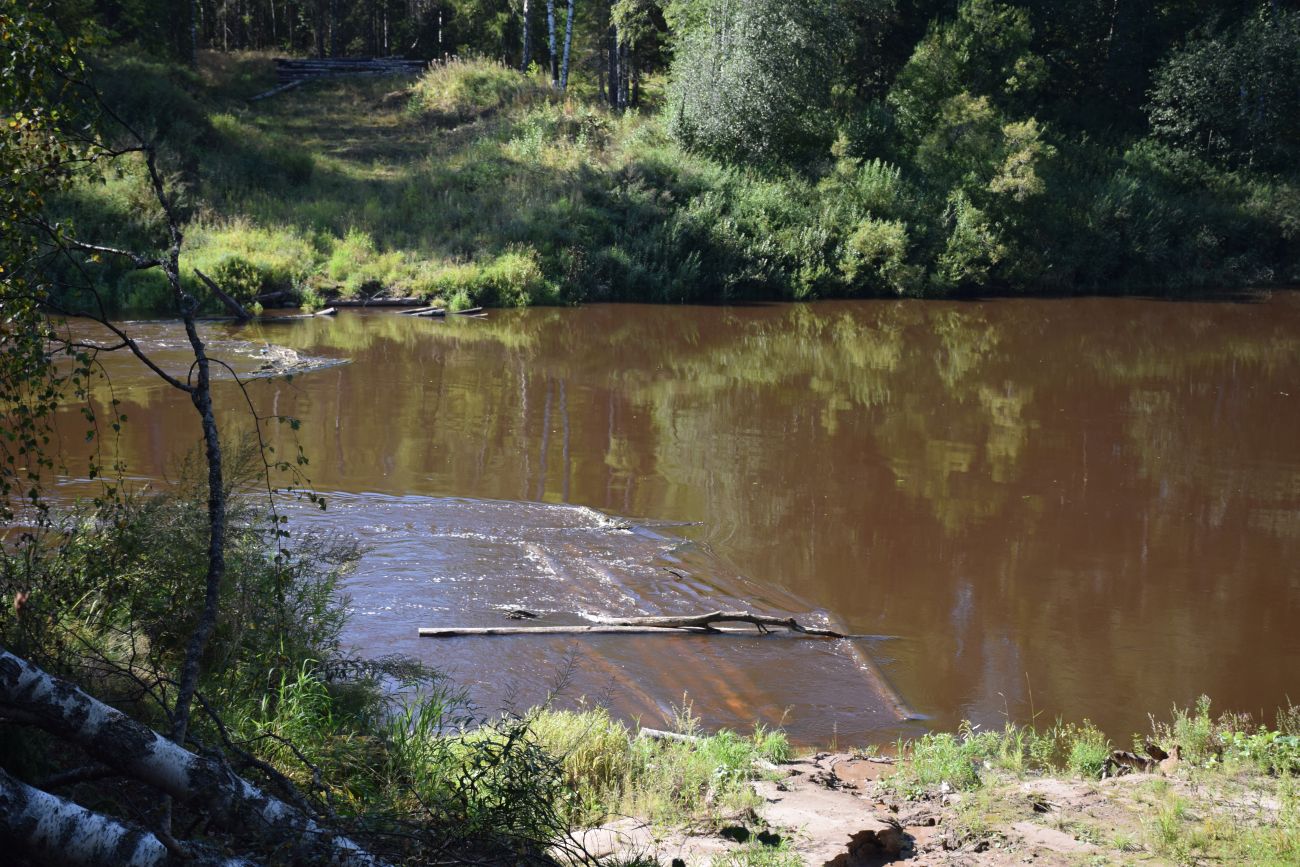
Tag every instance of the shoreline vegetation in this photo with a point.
(478, 185)
(704, 151)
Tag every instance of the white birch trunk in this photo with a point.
(33, 696)
(52, 830)
(550, 41)
(568, 43)
(528, 37)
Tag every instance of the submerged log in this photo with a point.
(328, 311)
(700, 624)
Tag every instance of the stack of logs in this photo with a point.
(287, 70)
(291, 73)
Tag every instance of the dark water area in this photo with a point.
(1084, 508)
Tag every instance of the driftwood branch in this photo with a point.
(236, 309)
(701, 624)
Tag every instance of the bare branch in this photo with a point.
(138, 261)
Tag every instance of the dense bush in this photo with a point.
(749, 80)
(1233, 96)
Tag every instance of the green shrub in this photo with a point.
(875, 257)
(973, 248)
(460, 90)
(240, 279)
(512, 279)
(741, 84)
(144, 291)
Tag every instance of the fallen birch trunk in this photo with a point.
(31, 696)
(55, 831)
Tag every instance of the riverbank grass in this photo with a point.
(1004, 794)
(693, 778)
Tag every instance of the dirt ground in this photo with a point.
(832, 810)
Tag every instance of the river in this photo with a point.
(1075, 508)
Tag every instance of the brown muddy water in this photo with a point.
(1084, 508)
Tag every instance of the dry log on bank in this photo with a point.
(700, 624)
(661, 735)
(34, 697)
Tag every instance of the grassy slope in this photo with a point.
(477, 186)
(975, 797)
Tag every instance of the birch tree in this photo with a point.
(550, 41)
(751, 80)
(568, 44)
(528, 40)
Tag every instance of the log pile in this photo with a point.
(299, 69)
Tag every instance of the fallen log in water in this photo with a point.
(700, 624)
(328, 311)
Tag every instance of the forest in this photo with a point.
(175, 684)
(705, 150)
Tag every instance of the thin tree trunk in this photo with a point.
(194, 33)
(568, 44)
(622, 76)
(336, 32)
(613, 66)
(528, 38)
(550, 41)
(322, 27)
(202, 399)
